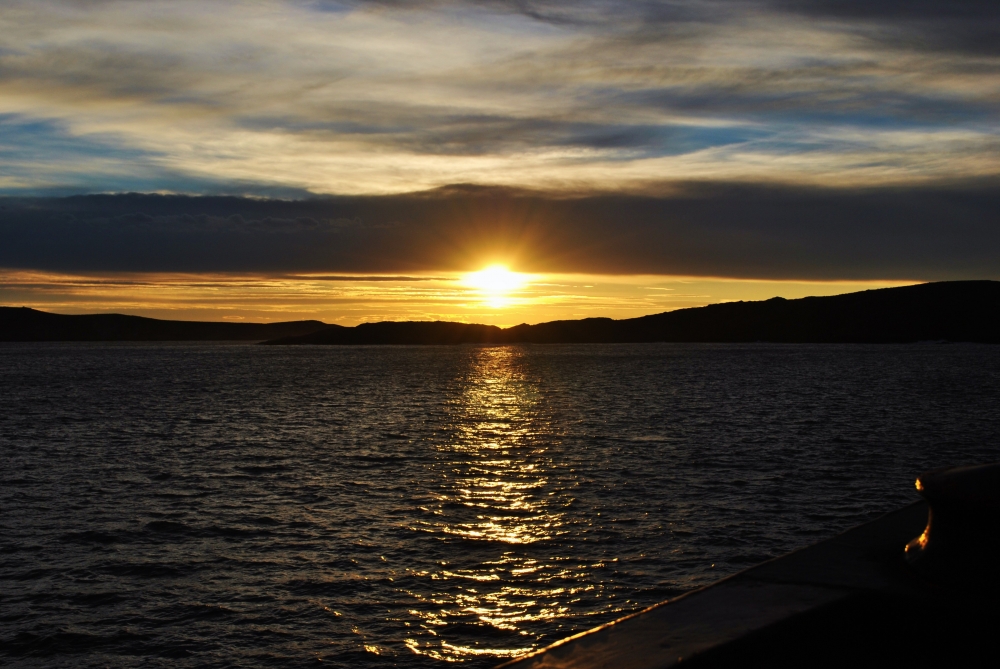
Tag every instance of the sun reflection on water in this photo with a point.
(502, 477)
(492, 503)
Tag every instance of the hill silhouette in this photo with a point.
(957, 311)
(24, 324)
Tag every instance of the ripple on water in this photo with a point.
(220, 505)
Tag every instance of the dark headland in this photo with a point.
(953, 311)
(23, 324)
(956, 311)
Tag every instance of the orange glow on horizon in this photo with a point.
(494, 295)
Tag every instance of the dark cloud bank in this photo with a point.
(745, 231)
(964, 26)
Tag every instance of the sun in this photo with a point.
(495, 283)
(495, 279)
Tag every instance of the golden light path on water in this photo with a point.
(494, 496)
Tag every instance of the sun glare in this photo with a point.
(495, 280)
(495, 283)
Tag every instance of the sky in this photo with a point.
(354, 161)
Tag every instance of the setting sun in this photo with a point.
(496, 280)
(495, 284)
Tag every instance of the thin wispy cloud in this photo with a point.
(381, 97)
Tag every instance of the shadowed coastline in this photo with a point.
(23, 324)
(954, 311)
(957, 311)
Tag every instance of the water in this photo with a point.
(216, 505)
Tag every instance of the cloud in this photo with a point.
(44, 158)
(970, 26)
(771, 139)
(964, 26)
(722, 230)
(388, 97)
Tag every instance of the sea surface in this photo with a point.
(216, 505)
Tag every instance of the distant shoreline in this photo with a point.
(950, 311)
(24, 324)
